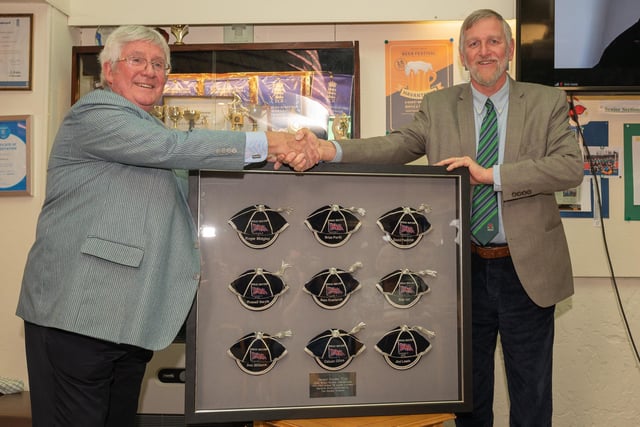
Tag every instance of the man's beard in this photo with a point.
(493, 78)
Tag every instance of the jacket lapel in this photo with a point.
(465, 116)
(515, 123)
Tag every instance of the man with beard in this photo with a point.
(524, 269)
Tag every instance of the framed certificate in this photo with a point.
(16, 51)
(15, 156)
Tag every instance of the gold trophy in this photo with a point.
(341, 124)
(175, 114)
(192, 116)
(254, 110)
(158, 112)
(179, 32)
(236, 113)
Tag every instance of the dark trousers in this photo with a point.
(501, 306)
(80, 381)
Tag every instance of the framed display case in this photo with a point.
(252, 86)
(341, 291)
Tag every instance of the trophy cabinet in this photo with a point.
(251, 86)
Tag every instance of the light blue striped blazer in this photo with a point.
(116, 253)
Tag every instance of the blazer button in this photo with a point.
(196, 277)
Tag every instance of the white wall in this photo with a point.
(597, 381)
(18, 214)
(91, 13)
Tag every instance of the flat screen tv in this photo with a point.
(579, 45)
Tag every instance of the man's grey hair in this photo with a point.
(479, 15)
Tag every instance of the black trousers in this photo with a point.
(500, 306)
(76, 380)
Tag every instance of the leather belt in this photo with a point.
(490, 252)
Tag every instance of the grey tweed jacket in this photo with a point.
(541, 156)
(116, 253)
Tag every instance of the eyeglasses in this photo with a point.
(139, 63)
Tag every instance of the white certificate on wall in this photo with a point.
(15, 51)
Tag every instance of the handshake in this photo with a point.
(301, 150)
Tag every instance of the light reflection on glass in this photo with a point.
(207, 231)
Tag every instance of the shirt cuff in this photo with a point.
(338, 157)
(497, 182)
(256, 147)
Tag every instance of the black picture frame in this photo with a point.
(218, 391)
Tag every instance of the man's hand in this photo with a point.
(326, 149)
(299, 150)
(478, 174)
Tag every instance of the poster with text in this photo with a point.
(413, 69)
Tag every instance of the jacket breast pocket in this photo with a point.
(113, 251)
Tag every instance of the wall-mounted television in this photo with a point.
(579, 45)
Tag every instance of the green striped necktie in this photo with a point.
(484, 205)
